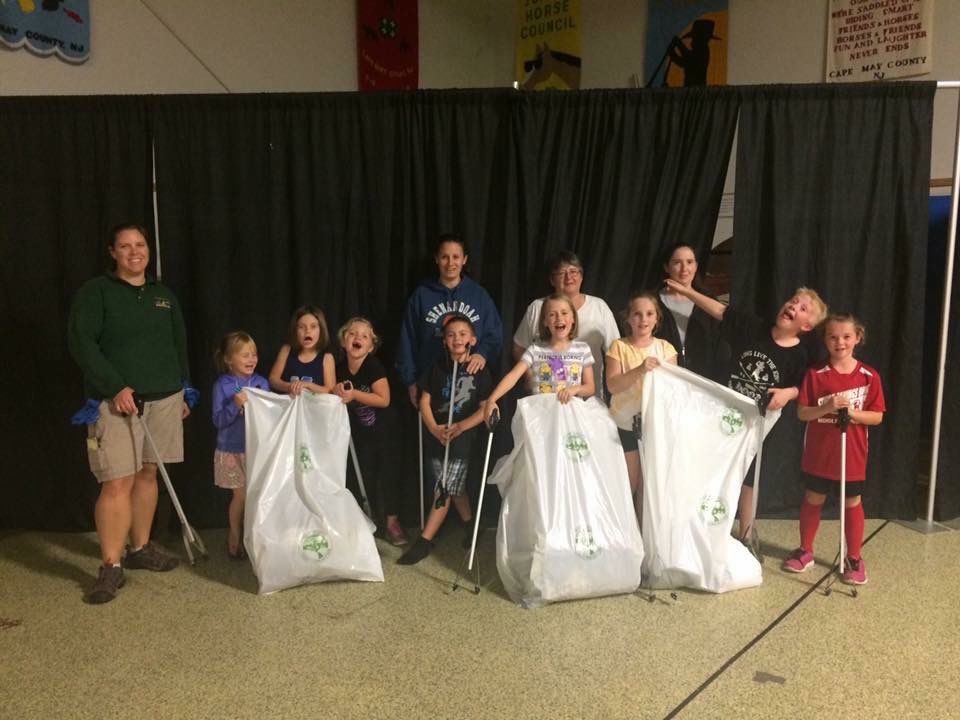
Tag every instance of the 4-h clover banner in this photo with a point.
(47, 27)
(388, 51)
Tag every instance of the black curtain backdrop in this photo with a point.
(831, 192)
(947, 496)
(267, 202)
(72, 168)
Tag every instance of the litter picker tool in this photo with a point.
(442, 495)
(491, 426)
(750, 533)
(191, 538)
(363, 490)
(420, 436)
(840, 565)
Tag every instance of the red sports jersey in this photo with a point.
(821, 442)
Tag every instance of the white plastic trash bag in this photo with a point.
(698, 439)
(567, 525)
(302, 525)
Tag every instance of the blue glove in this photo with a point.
(88, 414)
(191, 395)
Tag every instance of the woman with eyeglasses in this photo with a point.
(596, 324)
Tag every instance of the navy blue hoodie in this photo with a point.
(421, 337)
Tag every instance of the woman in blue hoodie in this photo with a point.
(451, 293)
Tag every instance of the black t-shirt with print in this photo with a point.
(470, 392)
(363, 418)
(757, 363)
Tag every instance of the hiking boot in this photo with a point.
(798, 561)
(149, 557)
(109, 581)
(855, 572)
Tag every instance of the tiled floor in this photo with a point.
(199, 643)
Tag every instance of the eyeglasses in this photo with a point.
(570, 272)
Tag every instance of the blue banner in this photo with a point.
(47, 27)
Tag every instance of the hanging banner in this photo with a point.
(548, 44)
(686, 43)
(878, 39)
(388, 50)
(47, 27)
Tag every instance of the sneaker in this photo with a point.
(395, 535)
(417, 552)
(149, 557)
(855, 572)
(109, 581)
(798, 561)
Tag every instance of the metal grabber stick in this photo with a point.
(843, 419)
(491, 426)
(750, 533)
(420, 434)
(191, 538)
(442, 495)
(363, 490)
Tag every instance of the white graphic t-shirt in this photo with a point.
(553, 370)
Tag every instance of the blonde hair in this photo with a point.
(230, 344)
(858, 327)
(542, 329)
(342, 332)
(818, 303)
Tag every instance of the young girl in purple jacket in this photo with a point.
(236, 359)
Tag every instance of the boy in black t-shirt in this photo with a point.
(470, 392)
(766, 362)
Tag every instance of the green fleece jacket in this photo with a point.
(124, 335)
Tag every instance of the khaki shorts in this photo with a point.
(117, 447)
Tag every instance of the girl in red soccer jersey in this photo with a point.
(844, 382)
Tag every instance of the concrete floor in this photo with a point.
(199, 643)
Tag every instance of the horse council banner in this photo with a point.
(878, 39)
(548, 44)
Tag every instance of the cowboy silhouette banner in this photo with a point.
(686, 43)
(548, 44)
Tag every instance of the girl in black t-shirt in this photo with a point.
(362, 384)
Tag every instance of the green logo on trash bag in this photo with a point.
(316, 543)
(303, 457)
(713, 510)
(731, 422)
(584, 544)
(576, 446)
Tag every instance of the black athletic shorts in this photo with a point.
(824, 486)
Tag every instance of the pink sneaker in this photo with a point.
(855, 572)
(798, 561)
